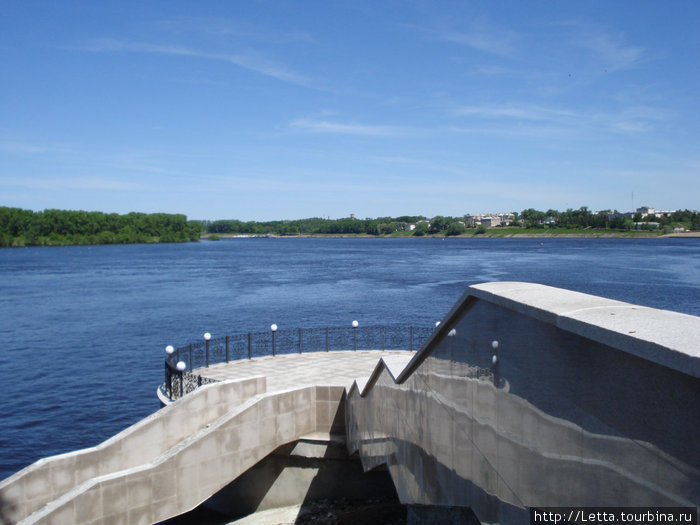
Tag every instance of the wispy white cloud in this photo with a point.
(399, 160)
(516, 112)
(483, 38)
(632, 119)
(225, 27)
(522, 131)
(430, 166)
(611, 50)
(16, 147)
(250, 60)
(324, 126)
(352, 183)
(72, 183)
(476, 32)
(631, 126)
(516, 121)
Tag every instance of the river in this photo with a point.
(83, 329)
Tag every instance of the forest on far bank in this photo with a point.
(417, 225)
(19, 227)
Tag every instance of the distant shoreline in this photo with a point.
(494, 235)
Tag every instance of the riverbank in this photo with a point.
(495, 234)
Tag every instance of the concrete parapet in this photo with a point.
(668, 338)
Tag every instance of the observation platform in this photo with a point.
(282, 372)
(290, 358)
(289, 371)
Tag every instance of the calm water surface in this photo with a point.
(82, 329)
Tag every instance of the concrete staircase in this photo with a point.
(528, 396)
(171, 461)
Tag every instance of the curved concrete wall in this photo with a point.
(587, 404)
(49, 478)
(138, 479)
(197, 467)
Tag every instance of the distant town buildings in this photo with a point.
(641, 219)
(488, 219)
(646, 225)
(643, 212)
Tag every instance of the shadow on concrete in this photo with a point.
(358, 498)
(200, 515)
(242, 496)
(377, 511)
(6, 510)
(315, 472)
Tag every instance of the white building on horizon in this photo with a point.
(488, 219)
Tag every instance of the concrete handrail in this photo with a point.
(48, 478)
(196, 468)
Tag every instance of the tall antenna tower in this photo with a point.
(632, 210)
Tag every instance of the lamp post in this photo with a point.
(452, 341)
(273, 329)
(207, 337)
(494, 362)
(168, 375)
(355, 324)
(180, 369)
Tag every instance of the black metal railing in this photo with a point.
(181, 364)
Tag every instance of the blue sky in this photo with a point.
(280, 110)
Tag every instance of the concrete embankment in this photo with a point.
(524, 396)
(530, 396)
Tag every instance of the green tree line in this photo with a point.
(20, 227)
(313, 226)
(581, 218)
(607, 219)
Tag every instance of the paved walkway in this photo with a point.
(296, 370)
